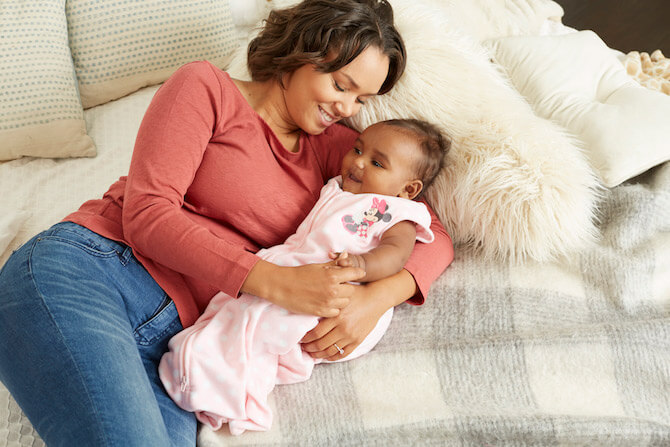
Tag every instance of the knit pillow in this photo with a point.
(40, 112)
(119, 47)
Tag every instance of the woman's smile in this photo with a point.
(326, 118)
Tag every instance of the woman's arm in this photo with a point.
(370, 301)
(314, 289)
(428, 261)
(169, 152)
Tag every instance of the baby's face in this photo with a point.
(382, 161)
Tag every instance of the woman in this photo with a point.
(220, 169)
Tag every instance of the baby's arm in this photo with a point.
(386, 259)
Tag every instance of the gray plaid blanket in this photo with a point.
(570, 353)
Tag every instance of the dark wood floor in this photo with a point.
(626, 25)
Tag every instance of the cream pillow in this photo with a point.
(580, 83)
(120, 47)
(487, 19)
(40, 112)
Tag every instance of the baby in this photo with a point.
(226, 364)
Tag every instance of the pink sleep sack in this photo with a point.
(224, 366)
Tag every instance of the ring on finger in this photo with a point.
(340, 350)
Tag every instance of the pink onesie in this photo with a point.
(224, 366)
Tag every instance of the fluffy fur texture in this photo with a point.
(516, 186)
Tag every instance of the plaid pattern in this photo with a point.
(570, 353)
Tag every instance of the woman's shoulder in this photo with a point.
(205, 72)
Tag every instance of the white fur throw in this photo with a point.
(516, 185)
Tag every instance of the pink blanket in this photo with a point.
(226, 364)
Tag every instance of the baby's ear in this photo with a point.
(411, 189)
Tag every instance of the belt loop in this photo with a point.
(125, 256)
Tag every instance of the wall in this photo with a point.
(626, 25)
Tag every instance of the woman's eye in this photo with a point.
(337, 87)
(360, 101)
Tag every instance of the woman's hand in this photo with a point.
(313, 289)
(348, 329)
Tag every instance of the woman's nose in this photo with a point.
(347, 108)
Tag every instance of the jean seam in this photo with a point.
(55, 325)
(86, 248)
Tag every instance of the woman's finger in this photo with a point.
(345, 274)
(324, 342)
(331, 343)
(335, 351)
(338, 353)
(320, 330)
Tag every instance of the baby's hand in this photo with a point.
(344, 259)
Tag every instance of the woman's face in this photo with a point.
(316, 100)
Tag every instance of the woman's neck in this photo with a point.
(267, 99)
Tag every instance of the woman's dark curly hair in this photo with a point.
(328, 34)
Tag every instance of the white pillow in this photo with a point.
(247, 13)
(481, 19)
(120, 47)
(487, 19)
(40, 111)
(580, 83)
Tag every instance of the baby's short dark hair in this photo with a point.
(434, 145)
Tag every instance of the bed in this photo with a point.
(552, 324)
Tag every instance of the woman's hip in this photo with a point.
(71, 269)
(82, 327)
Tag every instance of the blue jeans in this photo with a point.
(82, 329)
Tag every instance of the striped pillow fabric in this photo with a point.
(40, 111)
(121, 46)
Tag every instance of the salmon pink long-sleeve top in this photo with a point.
(210, 184)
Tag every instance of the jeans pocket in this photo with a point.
(161, 326)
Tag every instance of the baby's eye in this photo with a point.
(357, 151)
(377, 164)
